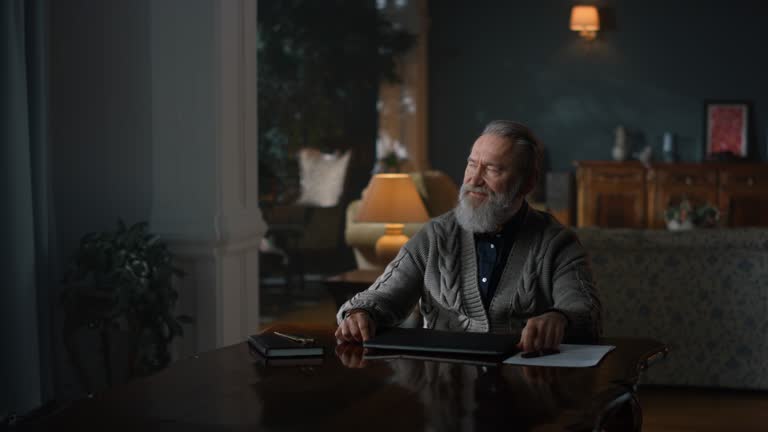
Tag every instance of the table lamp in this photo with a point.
(393, 200)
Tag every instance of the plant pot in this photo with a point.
(674, 225)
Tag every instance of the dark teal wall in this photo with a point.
(650, 70)
(100, 137)
(101, 142)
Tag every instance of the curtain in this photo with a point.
(25, 219)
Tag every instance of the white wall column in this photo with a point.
(204, 107)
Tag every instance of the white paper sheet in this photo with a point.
(569, 356)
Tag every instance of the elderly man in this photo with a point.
(493, 264)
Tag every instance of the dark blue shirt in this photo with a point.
(492, 251)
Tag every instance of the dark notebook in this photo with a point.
(285, 361)
(269, 344)
(426, 340)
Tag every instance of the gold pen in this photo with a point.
(295, 338)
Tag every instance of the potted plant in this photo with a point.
(685, 216)
(123, 280)
(319, 69)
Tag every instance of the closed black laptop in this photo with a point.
(420, 339)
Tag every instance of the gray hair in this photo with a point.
(527, 149)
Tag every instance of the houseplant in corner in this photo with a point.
(123, 280)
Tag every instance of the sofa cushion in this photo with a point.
(322, 177)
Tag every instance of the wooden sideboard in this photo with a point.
(631, 195)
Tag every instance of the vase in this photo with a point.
(674, 225)
(669, 149)
(619, 152)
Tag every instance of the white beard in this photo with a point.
(490, 214)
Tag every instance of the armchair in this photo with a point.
(313, 221)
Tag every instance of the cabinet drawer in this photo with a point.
(736, 178)
(677, 177)
(614, 176)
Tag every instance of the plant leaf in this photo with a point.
(185, 319)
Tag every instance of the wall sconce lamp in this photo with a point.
(586, 21)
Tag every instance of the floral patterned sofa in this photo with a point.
(703, 292)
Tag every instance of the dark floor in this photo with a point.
(279, 301)
(284, 292)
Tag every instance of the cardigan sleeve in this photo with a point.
(573, 288)
(391, 298)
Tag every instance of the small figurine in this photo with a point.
(644, 155)
(668, 147)
(620, 149)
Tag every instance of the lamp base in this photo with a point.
(588, 34)
(389, 245)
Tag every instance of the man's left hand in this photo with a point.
(543, 332)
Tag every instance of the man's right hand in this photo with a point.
(357, 326)
(352, 355)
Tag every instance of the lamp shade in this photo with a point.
(392, 198)
(585, 18)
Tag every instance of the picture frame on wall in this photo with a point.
(726, 129)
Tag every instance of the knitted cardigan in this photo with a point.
(547, 269)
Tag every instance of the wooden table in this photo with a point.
(227, 389)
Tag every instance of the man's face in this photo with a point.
(489, 169)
